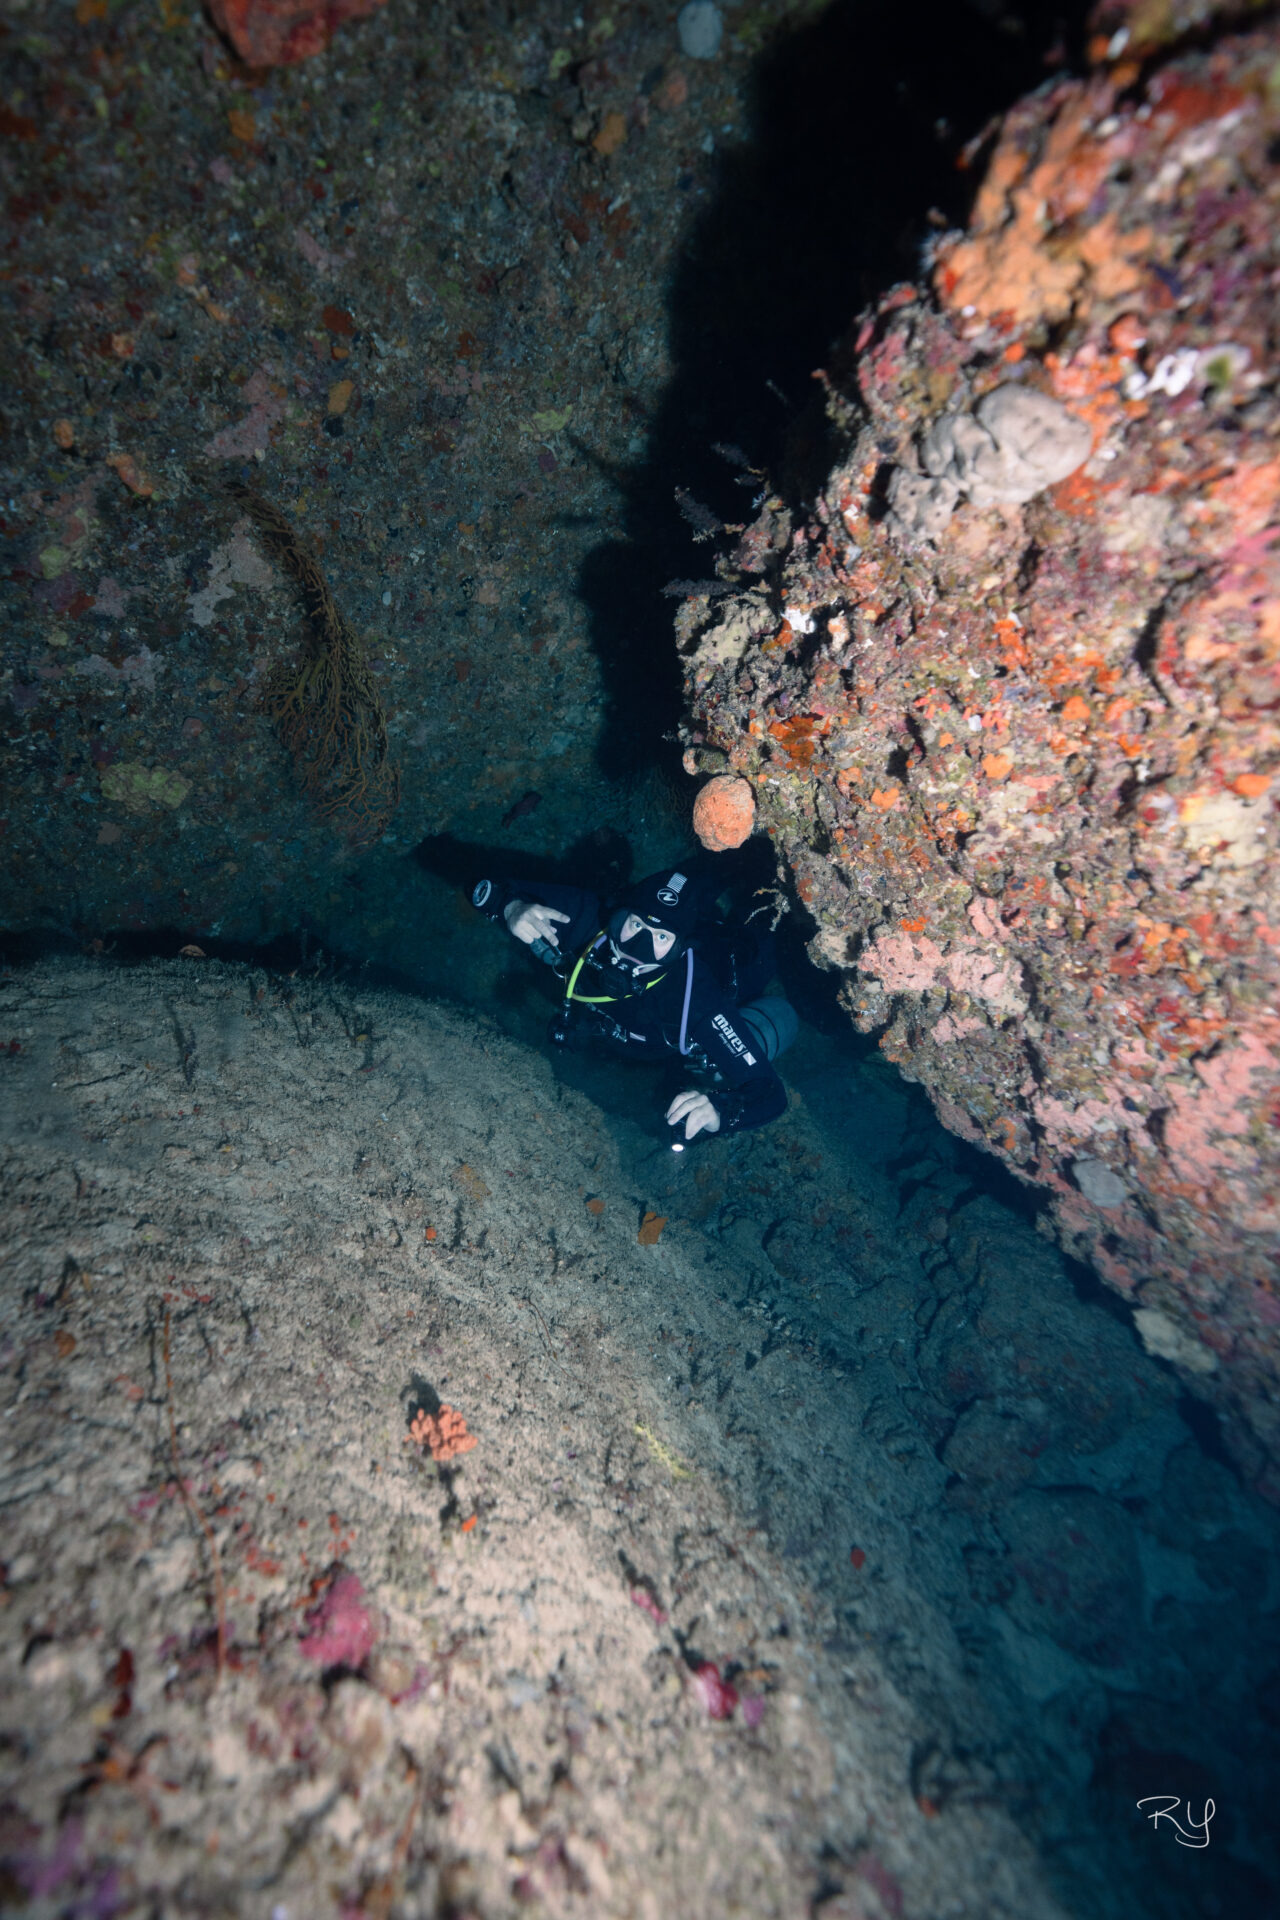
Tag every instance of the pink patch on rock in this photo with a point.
(956, 1120)
(252, 434)
(984, 918)
(715, 1694)
(341, 1630)
(986, 977)
(110, 598)
(1222, 1108)
(323, 259)
(877, 1875)
(276, 33)
(903, 962)
(647, 1603)
(753, 1709)
(949, 1029)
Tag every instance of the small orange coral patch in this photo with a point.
(998, 766)
(1252, 785)
(1077, 493)
(131, 474)
(445, 1433)
(596, 1207)
(796, 738)
(651, 1229)
(913, 926)
(886, 798)
(1127, 334)
(1013, 647)
(612, 134)
(1075, 710)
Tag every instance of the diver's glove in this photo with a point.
(536, 926)
(698, 1112)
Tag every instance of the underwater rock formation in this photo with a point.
(403, 292)
(1014, 726)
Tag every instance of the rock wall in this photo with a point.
(412, 290)
(1007, 694)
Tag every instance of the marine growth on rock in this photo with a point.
(1007, 695)
(724, 813)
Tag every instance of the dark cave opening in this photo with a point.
(857, 123)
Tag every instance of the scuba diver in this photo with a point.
(649, 978)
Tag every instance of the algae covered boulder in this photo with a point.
(1008, 693)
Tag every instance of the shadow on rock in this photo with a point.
(856, 128)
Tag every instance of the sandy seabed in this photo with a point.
(254, 1226)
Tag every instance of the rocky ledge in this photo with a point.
(1007, 692)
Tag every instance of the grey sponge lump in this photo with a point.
(699, 26)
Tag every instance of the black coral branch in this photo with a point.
(324, 705)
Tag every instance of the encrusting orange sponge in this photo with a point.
(445, 1433)
(724, 813)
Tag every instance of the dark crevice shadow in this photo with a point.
(600, 861)
(856, 121)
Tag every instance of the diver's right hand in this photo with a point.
(530, 922)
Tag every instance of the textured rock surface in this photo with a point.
(936, 1520)
(273, 33)
(1020, 757)
(413, 288)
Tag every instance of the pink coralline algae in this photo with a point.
(251, 435)
(341, 1630)
(1018, 739)
(643, 1599)
(717, 1696)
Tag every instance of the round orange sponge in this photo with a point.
(724, 813)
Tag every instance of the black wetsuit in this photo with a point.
(643, 1019)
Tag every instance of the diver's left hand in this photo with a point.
(697, 1111)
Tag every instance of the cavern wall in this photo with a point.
(1007, 692)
